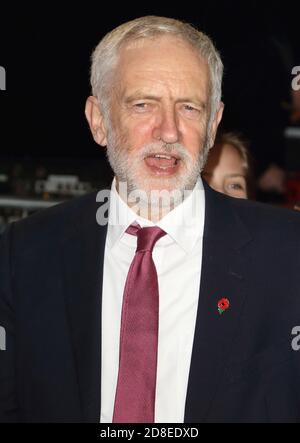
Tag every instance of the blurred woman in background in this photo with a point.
(229, 167)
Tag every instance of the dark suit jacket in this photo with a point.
(243, 367)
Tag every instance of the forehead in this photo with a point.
(162, 61)
(230, 158)
(225, 159)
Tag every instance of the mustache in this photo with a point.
(176, 149)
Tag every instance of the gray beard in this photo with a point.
(127, 170)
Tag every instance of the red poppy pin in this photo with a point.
(223, 305)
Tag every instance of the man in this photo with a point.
(197, 326)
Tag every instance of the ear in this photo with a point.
(215, 123)
(95, 120)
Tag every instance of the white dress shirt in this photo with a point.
(178, 258)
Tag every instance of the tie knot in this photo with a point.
(146, 237)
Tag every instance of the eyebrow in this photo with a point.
(142, 96)
(234, 175)
(210, 174)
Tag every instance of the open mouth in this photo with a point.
(161, 163)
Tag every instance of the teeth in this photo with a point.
(163, 156)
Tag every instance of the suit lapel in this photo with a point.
(83, 255)
(222, 276)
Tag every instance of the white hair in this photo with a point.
(105, 55)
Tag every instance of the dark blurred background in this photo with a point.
(45, 51)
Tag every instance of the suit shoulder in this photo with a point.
(263, 216)
(254, 213)
(54, 223)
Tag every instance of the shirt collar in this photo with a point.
(184, 224)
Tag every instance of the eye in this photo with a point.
(191, 111)
(190, 108)
(236, 186)
(141, 107)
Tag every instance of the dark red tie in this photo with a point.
(135, 393)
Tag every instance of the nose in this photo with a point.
(166, 128)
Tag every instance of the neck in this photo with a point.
(154, 208)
